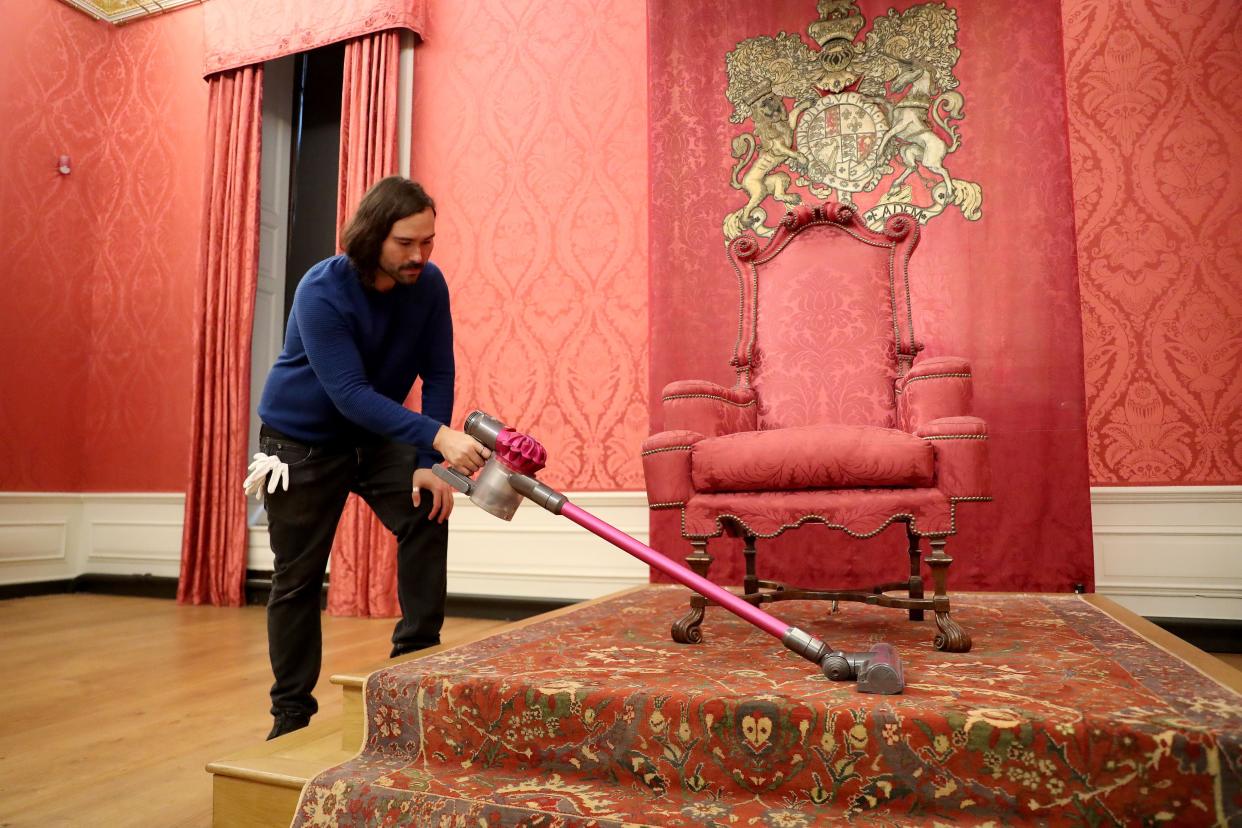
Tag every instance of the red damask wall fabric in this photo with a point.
(46, 312)
(241, 32)
(1157, 157)
(994, 278)
(530, 131)
(99, 264)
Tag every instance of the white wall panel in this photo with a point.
(1161, 551)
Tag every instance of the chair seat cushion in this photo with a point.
(812, 457)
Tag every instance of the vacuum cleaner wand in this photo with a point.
(877, 671)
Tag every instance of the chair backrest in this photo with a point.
(825, 326)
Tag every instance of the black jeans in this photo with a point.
(301, 525)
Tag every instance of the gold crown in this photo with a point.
(840, 27)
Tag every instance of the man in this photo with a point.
(363, 327)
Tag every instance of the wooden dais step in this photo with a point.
(260, 786)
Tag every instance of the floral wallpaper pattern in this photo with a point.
(100, 264)
(1156, 143)
(530, 131)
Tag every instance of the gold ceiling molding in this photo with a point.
(120, 11)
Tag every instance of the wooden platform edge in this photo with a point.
(244, 803)
(261, 786)
(1207, 664)
(287, 760)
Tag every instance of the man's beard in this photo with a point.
(404, 275)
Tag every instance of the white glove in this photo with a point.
(269, 467)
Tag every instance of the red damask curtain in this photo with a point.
(364, 554)
(213, 546)
(994, 278)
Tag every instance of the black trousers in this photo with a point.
(301, 525)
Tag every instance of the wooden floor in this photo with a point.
(111, 707)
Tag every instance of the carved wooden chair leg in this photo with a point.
(916, 572)
(951, 637)
(750, 584)
(686, 630)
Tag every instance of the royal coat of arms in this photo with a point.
(867, 122)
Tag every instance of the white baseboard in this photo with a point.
(536, 555)
(540, 555)
(49, 537)
(1172, 552)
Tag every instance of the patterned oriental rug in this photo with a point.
(1059, 716)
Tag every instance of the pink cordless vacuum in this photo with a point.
(509, 476)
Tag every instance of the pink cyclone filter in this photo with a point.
(520, 452)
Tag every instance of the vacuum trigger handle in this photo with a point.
(454, 478)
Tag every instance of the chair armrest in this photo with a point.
(961, 445)
(708, 409)
(666, 465)
(932, 389)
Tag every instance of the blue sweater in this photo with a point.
(351, 356)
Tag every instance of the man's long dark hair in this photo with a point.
(386, 203)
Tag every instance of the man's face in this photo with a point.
(407, 249)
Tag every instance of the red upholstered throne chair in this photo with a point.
(836, 417)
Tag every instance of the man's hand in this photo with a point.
(460, 450)
(441, 493)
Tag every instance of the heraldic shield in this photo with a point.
(870, 122)
(837, 417)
